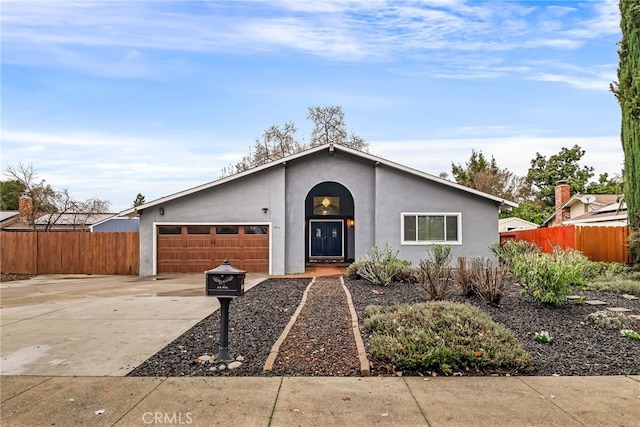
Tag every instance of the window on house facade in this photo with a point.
(425, 228)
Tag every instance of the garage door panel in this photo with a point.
(198, 255)
(255, 266)
(192, 243)
(170, 243)
(192, 249)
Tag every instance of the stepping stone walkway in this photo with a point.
(618, 309)
(595, 302)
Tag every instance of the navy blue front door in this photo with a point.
(326, 238)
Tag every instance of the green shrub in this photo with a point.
(434, 273)
(631, 334)
(352, 270)
(611, 320)
(598, 270)
(633, 242)
(511, 249)
(444, 337)
(380, 266)
(542, 337)
(550, 278)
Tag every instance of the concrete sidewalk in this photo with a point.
(320, 401)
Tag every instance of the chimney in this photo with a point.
(563, 194)
(25, 206)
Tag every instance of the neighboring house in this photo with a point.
(569, 208)
(514, 224)
(64, 222)
(328, 203)
(613, 215)
(19, 220)
(115, 223)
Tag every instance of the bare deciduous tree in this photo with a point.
(278, 142)
(51, 205)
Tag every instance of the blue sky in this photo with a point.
(112, 98)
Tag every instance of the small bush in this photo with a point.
(598, 270)
(352, 270)
(511, 249)
(434, 274)
(631, 334)
(633, 242)
(611, 320)
(550, 278)
(444, 337)
(489, 281)
(380, 266)
(462, 275)
(542, 337)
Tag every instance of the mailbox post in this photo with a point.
(224, 282)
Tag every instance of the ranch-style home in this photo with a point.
(328, 203)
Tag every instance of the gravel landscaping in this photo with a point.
(321, 343)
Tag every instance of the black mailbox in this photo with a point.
(225, 281)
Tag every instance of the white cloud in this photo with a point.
(118, 38)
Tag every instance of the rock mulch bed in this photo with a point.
(320, 343)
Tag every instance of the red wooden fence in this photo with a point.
(608, 244)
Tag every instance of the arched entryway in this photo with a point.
(329, 220)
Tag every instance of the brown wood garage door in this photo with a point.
(197, 248)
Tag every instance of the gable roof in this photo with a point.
(513, 219)
(331, 148)
(597, 200)
(6, 215)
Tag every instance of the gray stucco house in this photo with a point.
(326, 203)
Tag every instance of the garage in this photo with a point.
(197, 248)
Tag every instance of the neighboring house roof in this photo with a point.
(514, 223)
(76, 221)
(8, 215)
(331, 147)
(613, 214)
(115, 223)
(593, 201)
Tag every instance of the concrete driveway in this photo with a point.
(83, 325)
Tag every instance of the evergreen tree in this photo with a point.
(627, 91)
(10, 192)
(544, 174)
(139, 200)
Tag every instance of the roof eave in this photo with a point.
(135, 211)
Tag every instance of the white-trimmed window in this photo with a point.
(419, 228)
